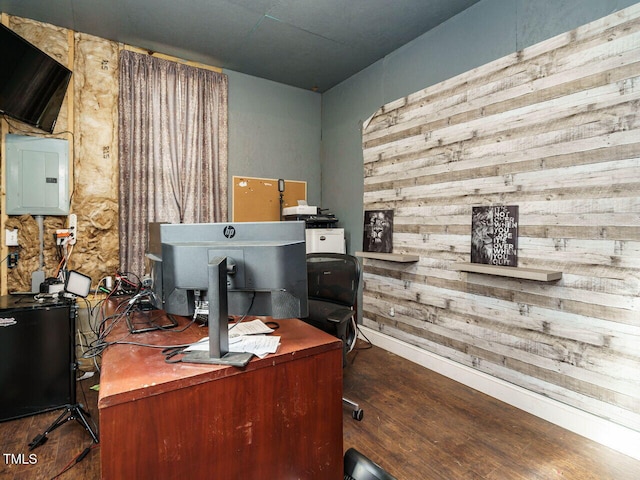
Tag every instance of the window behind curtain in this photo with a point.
(173, 149)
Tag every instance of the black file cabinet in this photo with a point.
(37, 370)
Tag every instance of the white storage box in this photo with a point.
(300, 210)
(325, 240)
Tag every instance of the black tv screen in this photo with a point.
(32, 84)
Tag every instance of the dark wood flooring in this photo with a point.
(60, 449)
(417, 425)
(420, 425)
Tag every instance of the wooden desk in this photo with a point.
(280, 417)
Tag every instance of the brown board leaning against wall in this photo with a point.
(258, 199)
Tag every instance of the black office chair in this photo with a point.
(333, 280)
(359, 467)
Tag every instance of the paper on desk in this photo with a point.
(254, 327)
(259, 345)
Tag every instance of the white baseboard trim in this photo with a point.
(609, 434)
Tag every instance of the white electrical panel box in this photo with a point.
(37, 175)
(325, 240)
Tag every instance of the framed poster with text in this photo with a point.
(494, 235)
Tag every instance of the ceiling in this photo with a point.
(311, 44)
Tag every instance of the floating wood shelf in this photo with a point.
(390, 257)
(513, 272)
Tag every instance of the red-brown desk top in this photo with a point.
(132, 372)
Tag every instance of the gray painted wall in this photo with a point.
(486, 31)
(274, 132)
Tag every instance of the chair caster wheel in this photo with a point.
(357, 414)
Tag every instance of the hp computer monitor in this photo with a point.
(242, 268)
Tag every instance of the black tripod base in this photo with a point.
(71, 412)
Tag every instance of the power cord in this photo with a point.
(77, 459)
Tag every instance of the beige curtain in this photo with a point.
(173, 149)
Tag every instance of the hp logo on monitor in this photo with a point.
(229, 231)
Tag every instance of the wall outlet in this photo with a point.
(73, 228)
(62, 236)
(11, 237)
(12, 259)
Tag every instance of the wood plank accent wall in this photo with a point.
(554, 129)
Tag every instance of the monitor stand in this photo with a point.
(218, 353)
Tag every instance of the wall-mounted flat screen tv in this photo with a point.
(32, 84)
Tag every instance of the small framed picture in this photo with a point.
(494, 235)
(378, 231)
